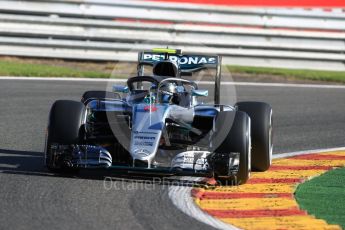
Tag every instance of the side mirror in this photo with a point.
(120, 89)
(200, 92)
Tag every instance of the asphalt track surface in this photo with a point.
(32, 198)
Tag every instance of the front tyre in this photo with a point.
(65, 124)
(233, 136)
(261, 115)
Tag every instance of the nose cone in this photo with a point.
(148, 123)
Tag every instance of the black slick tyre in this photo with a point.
(233, 136)
(261, 115)
(65, 125)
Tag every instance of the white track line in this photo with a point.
(182, 199)
(201, 82)
(181, 196)
(276, 84)
(283, 155)
(64, 79)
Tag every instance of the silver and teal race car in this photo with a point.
(156, 124)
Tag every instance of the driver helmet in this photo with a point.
(168, 90)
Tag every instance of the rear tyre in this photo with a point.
(65, 124)
(261, 115)
(234, 139)
(97, 94)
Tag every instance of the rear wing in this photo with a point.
(187, 63)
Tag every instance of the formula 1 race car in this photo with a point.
(156, 125)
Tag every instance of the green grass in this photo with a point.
(324, 196)
(17, 68)
(318, 75)
(10, 68)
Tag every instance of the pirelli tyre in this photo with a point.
(261, 115)
(65, 127)
(232, 130)
(98, 94)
